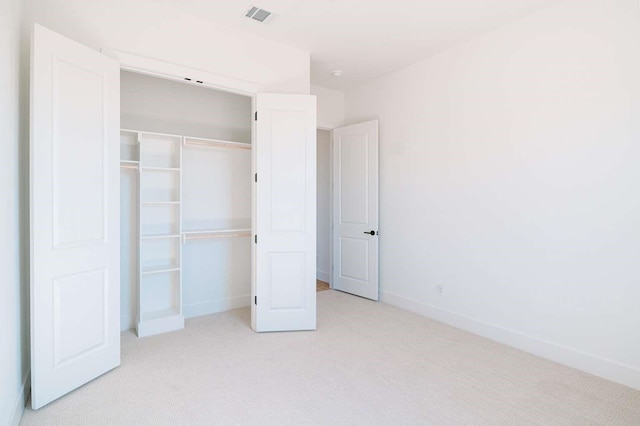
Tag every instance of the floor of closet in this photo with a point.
(322, 286)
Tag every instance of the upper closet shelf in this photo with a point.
(141, 133)
(191, 140)
(215, 143)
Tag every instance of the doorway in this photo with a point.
(323, 206)
(354, 230)
(347, 209)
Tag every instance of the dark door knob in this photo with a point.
(370, 232)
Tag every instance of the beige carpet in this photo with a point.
(368, 363)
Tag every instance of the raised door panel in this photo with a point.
(354, 182)
(79, 149)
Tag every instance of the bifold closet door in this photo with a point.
(75, 213)
(284, 290)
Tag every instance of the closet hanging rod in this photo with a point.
(129, 166)
(216, 143)
(214, 235)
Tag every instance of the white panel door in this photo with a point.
(355, 209)
(75, 237)
(284, 289)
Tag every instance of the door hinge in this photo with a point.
(256, 116)
(256, 238)
(255, 178)
(255, 300)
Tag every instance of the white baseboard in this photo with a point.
(127, 322)
(597, 366)
(323, 276)
(215, 306)
(21, 401)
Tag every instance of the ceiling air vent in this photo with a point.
(258, 14)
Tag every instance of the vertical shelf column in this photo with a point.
(160, 283)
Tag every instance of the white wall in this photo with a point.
(13, 311)
(330, 107)
(509, 174)
(159, 31)
(166, 106)
(323, 206)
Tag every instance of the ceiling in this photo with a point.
(365, 39)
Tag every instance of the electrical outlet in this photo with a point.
(440, 289)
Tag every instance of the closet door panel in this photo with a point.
(285, 214)
(75, 236)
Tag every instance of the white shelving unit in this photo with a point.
(160, 282)
(158, 158)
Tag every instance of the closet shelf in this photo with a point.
(149, 133)
(129, 131)
(129, 164)
(160, 270)
(160, 203)
(216, 143)
(218, 233)
(159, 237)
(160, 169)
(165, 313)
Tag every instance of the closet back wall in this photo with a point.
(165, 106)
(216, 185)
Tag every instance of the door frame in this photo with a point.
(170, 71)
(330, 130)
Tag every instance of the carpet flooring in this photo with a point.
(367, 363)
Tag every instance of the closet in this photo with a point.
(185, 159)
(153, 199)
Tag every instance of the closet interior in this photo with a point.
(185, 202)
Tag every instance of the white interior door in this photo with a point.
(75, 237)
(284, 290)
(355, 209)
